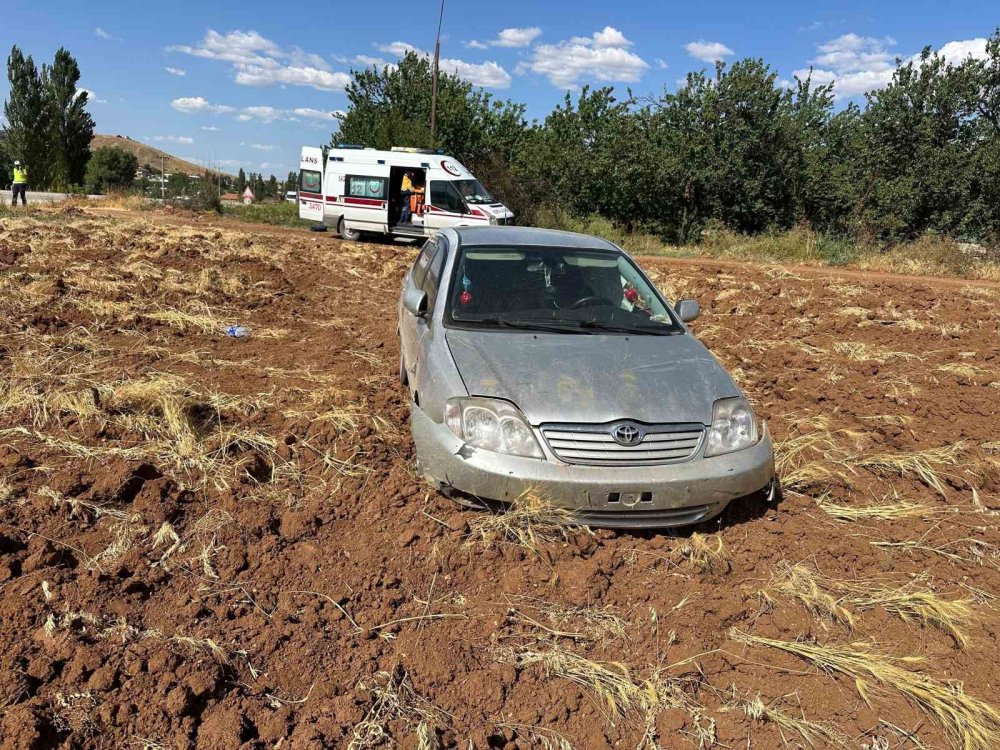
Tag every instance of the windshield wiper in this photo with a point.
(527, 325)
(636, 329)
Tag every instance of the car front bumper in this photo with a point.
(630, 497)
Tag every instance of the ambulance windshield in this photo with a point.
(473, 191)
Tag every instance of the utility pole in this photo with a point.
(434, 80)
(162, 197)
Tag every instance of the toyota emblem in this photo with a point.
(627, 434)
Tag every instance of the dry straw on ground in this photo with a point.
(968, 722)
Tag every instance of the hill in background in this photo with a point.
(146, 154)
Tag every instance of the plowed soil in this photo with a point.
(210, 542)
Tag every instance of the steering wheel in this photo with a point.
(590, 301)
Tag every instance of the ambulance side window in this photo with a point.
(359, 186)
(446, 197)
(309, 181)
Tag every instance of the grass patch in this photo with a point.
(282, 214)
(927, 256)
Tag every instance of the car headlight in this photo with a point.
(492, 218)
(734, 427)
(493, 425)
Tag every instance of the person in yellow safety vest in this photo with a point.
(20, 185)
(405, 191)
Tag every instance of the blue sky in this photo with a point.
(247, 83)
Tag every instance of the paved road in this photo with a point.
(36, 197)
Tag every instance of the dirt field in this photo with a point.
(218, 543)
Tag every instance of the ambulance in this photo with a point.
(359, 191)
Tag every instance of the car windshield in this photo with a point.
(555, 289)
(473, 191)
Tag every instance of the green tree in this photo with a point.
(27, 118)
(178, 185)
(391, 106)
(241, 181)
(72, 127)
(110, 169)
(6, 166)
(917, 147)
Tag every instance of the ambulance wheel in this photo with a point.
(351, 235)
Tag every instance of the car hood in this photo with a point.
(593, 378)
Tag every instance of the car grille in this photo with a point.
(594, 444)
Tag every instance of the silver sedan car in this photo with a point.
(547, 361)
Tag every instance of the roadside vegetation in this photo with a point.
(281, 213)
(732, 149)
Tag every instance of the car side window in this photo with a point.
(422, 262)
(433, 279)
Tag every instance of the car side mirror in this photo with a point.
(688, 309)
(415, 301)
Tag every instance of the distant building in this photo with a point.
(231, 198)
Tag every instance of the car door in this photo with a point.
(408, 332)
(445, 207)
(424, 327)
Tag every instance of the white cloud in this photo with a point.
(958, 52)
(855, 64)
(258, 61)
(313, 114)
(661, 63)
(512, 37)
(291, 75)
(262, 147)
(263, 113)
(175, 71)
(92, 97)
(610, 37)
(101, 33)
(488, 74)
(369, 60)
(260, 113)
(399, 49)
(604, 56)
(858, 64)
(173, 139)
(193, 104)
(708, 52)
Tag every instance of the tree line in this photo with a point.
(49, 129)
(734, 147)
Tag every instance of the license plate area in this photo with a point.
(628, 499)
